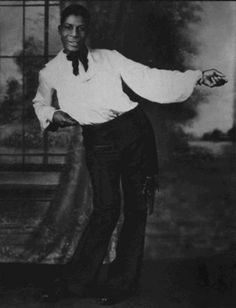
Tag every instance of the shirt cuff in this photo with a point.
(199, 77)
(46, 120)
(50, 114)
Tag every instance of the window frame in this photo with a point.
(45, 153)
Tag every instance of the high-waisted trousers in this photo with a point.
(119, 154)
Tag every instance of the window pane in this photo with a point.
(34, 30)
(42, 2)
(9, 159)
(34, 159)
(10, 109)
(33, 141)
(11, 85)
(35, 2)
(32, 67)
(11, 25)
(54, 2)
(54, 38)
(11, 2)
(58, 160)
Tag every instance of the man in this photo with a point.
(118, 140)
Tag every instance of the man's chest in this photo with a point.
(100, 81)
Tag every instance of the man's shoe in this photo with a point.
(110, 300)
(53, 296)
(56, 291)
(113, 296)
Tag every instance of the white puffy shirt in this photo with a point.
(96, 96)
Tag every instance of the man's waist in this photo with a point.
(117, 121)
(87, 116)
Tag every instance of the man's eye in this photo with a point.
(82, 28)
(67, 27)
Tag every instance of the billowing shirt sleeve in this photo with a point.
(42, 101)
(162, 86)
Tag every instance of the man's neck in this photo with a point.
(76, 56)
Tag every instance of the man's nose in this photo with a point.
(75, 31)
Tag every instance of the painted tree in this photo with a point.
(11, 104)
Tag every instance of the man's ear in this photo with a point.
(59, 29)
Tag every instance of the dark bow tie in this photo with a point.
(76, 56)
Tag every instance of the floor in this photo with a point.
(191, 283)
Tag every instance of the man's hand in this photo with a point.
(63, 119)
(212, 78)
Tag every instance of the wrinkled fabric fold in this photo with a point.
(55, 239)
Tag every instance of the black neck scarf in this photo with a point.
(76, 56)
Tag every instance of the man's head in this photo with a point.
(74, 26)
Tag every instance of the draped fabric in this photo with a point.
(56, 237)
(58, 230)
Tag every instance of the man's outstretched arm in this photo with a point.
(164, 86)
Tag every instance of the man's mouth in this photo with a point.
(73, 43)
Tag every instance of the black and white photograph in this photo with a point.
(117, 154)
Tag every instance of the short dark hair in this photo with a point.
(77, 10)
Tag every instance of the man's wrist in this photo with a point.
(200, 78)
(55, 111)
(50, 114)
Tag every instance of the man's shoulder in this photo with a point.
(103, 53)
(109, 59)
(53, 65)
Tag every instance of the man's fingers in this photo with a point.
(218, 73)
(214, 78)
(63, 119)
(69, 121)
(218, 81)
(72, 122)
(208, 82)
(213, 72)
(220, 78)
(68, 117)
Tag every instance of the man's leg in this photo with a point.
(104, 169)
(125, 270)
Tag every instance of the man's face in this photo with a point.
(73, 33)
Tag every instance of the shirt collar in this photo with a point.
(83, 76)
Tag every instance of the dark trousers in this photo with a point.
(118, 152)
